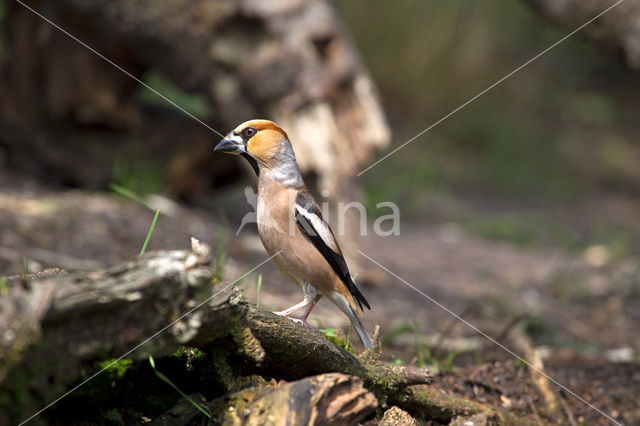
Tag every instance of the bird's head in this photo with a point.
(260, 140)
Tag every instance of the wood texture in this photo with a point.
(326, 399)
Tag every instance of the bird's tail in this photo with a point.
(348, 306)
(362, 333)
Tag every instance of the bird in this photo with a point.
(291, 226)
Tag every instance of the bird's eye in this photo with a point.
(249, 132)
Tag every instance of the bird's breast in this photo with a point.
(274, 215)
(297, 257)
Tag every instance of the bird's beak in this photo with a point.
(231, 144)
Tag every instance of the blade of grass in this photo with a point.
(221, 257)
(135, 197)
(151, 228)
(129, 194)
(4, 286)
(258, 290)
(202, 408)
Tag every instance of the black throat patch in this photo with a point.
(252, 162)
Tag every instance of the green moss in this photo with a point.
(339, 339)
(116, 368)
(189, 355)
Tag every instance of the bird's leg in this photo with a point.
(311, 297)
(305, 315)
(294, 308)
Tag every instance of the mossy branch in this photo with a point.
(105, 314)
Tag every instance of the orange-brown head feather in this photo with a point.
(267, 142)
(260, 124)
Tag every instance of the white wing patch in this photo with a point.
(321, 228)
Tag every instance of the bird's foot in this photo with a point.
(303, 322)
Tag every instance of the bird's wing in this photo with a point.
(309, 219)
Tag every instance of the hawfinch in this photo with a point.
(290, 223)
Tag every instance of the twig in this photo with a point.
(540, 381)
(567, 411)
(533, 409)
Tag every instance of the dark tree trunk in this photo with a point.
(69, 116)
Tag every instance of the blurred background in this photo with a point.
(520, 210)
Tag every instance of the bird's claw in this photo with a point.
(303, 322)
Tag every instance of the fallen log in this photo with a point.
(325, 399)
(138, 308)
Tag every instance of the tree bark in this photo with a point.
(326, 399)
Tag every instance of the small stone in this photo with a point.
(624, 354)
